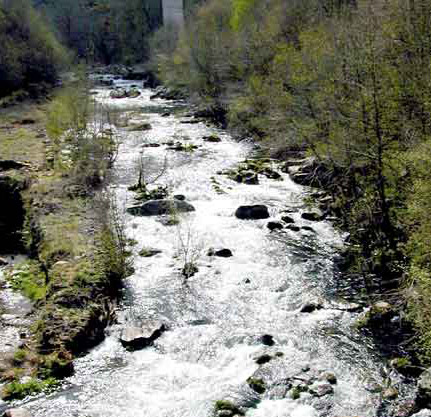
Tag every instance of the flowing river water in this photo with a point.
(216, 318)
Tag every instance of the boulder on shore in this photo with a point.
(255, 212)
(160, 207)
(135, 338)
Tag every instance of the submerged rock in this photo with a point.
(252, 212)
(160, 207)
(135, 338)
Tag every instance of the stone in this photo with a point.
(3, 262)
(17, 412)
(255, 212)
(180, 197)
(261, 360)
(221, 253)
(133, 93)
(329, 377)
(118, 93)
(267, 340)
(313, 216)
(135, 338)
(322, 390)
(161, 207)
(293, 228)
(257, 385)
(424, 389)
(212, 139)
(390, 393)
(287, 219)
(310, 307)
(308, 229)
(274, 226)
(271, 174)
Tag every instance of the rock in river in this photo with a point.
(135, 338)
(314, 215)
(424, 389)
(221, 253)
(159, 207)
(274, 226)
(17, 412)
(252, 212)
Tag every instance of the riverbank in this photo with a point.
(54, 169)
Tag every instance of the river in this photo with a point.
(216, 318)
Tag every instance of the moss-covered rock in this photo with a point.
(257, 385)
(226, 407)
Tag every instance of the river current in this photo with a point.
(216, 318)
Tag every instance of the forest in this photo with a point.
(349, 83)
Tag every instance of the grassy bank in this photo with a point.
(348, 83)
(71, 231)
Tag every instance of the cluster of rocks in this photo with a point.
(120, 93)
(248, 172)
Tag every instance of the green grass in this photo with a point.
(17, 391)
(29, 280)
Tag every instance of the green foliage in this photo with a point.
(349, 81)
(30, 53)
(28, 279)
(17, 391)
(107, 30)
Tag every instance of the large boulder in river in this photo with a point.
(255, 212)
(135, 338)
(160, 207)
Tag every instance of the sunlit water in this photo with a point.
(216, 317)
